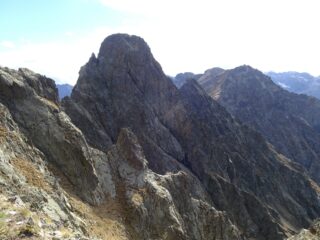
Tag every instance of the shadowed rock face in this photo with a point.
(125, 87)
(288, 121)
(262, 193)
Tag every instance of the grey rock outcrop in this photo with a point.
(170, 206)
(33, 102)
(32, 201)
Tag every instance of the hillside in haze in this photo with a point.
(301, 83)
(128, 155)
(64, 90)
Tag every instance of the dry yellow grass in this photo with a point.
(49, 103)
(137, 198)
(315, 186)
(3, 132)
(32, 175)
(106, 221)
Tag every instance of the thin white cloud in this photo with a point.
(7, 44)
(60, 60)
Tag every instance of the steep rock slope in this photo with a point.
(288, 121)
(32, 101)
(46, 161)
(262, 193)
(32, 202)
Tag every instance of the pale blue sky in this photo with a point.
(42, 20)
(56, 37)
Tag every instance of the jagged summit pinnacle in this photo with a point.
(246, 72)
(123, 43)
(245, 68)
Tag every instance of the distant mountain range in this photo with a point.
(296, 82)
(301, 83)
(64, 90)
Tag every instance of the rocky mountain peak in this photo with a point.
(214, 71)
(127, 60)
(118, 44)
(249, 75)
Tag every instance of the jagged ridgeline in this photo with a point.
(130, 156)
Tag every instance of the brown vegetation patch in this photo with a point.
(315, 186)
(49, 103)
(3, 132)
(105, 221)
(31, 173)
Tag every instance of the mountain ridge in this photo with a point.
(152, 161)
(279, 115)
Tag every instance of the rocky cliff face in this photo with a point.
(129, 156)
(49, 174)
(287, 120)
(186, 131)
